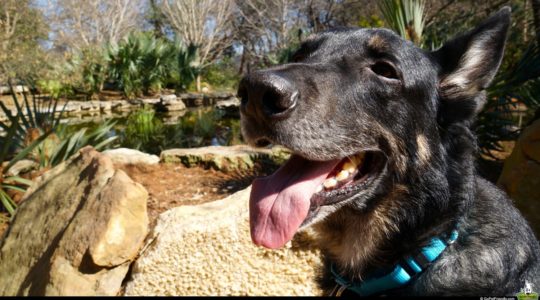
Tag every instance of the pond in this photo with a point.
(152, 132)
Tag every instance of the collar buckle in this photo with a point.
(338, 290)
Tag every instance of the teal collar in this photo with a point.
(405, 271)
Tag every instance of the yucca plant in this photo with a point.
(65, 144)
(24, 131)
(32, 119)
(406, 17)
(14, 183)
(34, 131)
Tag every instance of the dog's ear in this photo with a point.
(468, 64)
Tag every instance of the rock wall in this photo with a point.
(165, 103)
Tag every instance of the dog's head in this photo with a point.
(359, 108)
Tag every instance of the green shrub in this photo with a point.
(55, 88)
(141, 63)
(186, 68)
(221, 75)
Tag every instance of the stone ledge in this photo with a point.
(225, 158)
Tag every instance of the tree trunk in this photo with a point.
(156, 19)
(536, 19)
(242, 62)
(198, 82)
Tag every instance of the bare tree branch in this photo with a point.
(204, 23)
(82, 24)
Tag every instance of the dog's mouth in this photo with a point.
(293, 195)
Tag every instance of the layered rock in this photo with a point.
(170, 103)
(207, 250)
(131, 156)
(167, 103)
(20, 167)
(76, 231)
(225, 158)
(520, 177)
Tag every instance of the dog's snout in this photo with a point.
(267, 95)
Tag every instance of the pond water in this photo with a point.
(152, 132)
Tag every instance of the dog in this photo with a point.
(383, 164)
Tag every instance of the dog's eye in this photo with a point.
(385, 70)
(297, 57)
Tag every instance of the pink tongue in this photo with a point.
(280, 202)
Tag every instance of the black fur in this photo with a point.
(352, 90)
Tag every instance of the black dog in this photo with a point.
(383, 166)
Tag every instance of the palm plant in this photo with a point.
(517, 84)
(187, 66)
(84, 72)
(141, 63)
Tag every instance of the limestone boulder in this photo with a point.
(224, 158)
(91, 106)
(207, 250)
(76, 231)
(170, 103)
(120, 105)
(131, 156)
(520, 176)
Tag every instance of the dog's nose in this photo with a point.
(264, 94)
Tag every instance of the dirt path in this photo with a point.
(171, 185)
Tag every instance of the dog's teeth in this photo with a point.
(342, 175)
(349, 166)
(358, 159)
(319, 189)
(330, 183)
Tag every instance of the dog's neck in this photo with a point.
(426, 203)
